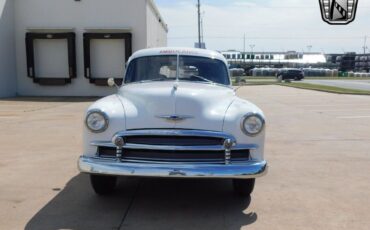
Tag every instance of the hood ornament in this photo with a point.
(175, 86)
(175, 118)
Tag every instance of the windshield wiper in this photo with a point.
(201, 78)
(156, 79)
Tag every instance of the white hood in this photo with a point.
(202, 105)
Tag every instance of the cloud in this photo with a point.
(270, 25)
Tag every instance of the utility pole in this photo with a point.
(309, 47)
(365, 46)
(199, 25)
(252, 54)
(202, 27)
(244, 48)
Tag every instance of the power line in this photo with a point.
(267, 38)
(315, 7)
(290, 7)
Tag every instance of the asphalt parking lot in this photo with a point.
(318, 148)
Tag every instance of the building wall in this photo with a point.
(78, 16)
(7, 56)
(156, 27)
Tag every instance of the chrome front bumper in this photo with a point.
(245, 170)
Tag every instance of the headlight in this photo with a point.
(252, 124)
(97, 121)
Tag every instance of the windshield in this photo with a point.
(165, 68)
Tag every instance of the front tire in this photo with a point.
(244, 187)
(103, 185)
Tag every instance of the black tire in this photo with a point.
(103, 185)
(244, 187)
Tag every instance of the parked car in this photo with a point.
(290, 74)
(175, 116)
(237, 72)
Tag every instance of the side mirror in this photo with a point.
(111, 82)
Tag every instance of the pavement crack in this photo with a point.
(130, 205)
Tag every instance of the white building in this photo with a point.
(274, 57)
(69, 47)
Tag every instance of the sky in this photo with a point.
(271, 25)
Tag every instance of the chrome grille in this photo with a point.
(170, 146)
(174, 156)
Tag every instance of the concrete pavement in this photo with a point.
(347, 84)
(317, 147)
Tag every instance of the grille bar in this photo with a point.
(174, 140)
(165, 147)
(176, 133)
(173, 156)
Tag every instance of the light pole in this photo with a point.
(202, 27)
(244, 48)
(252, 47)
(199, 25)
(309, 47)
(365, 46)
